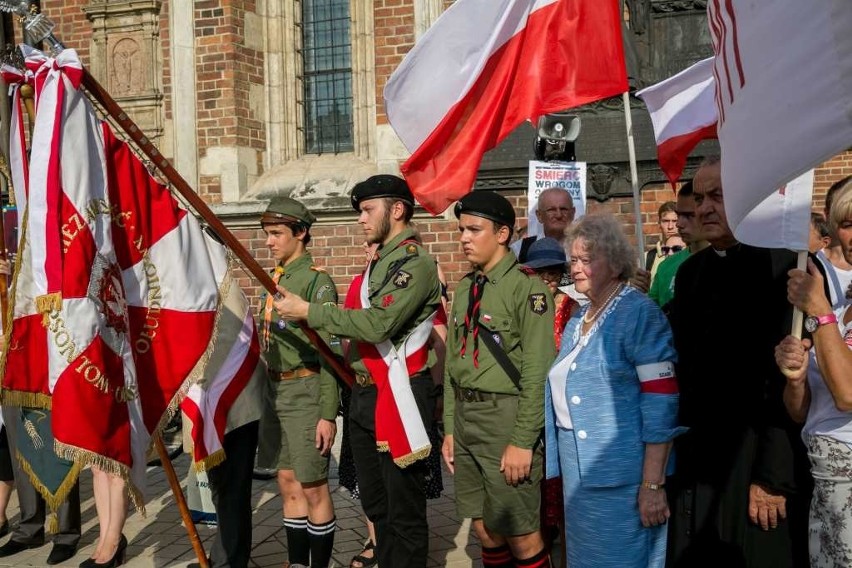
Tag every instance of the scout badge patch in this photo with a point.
(538, 303)
(402, 279)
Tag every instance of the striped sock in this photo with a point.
(321, 537)
(540, 560)
(298, 545)
(497, 557)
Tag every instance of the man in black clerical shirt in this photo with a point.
(741, 488)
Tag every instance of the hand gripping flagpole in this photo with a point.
(41, 29)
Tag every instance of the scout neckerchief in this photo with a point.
(399, 427)
(267, 312)
(471, 317)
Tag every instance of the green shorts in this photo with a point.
(288, 429)
(480, 437)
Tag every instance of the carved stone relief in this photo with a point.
(126, 57)
(126, 64)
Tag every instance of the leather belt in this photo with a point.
(294, 374)
(474, 395)
(366, 380)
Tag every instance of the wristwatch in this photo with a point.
(813, 322)
(653, 486)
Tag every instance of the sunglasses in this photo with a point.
(671, 249)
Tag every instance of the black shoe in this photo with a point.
(14, 547)
(117, 558)
(4, 529)
(60, 553)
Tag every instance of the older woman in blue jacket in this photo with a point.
(611, 408)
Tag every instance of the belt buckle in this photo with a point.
(468, 395)
(362, 380)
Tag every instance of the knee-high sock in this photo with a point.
(497, 557)
(321, 537)
(298, 544)
(540, 560)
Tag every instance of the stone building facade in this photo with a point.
(253, 97)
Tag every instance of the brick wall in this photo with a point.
(394, 37)
(225, 70)
(73, 28)
(831, 171)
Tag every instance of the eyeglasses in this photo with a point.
(671, 250)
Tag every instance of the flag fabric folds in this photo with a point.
(229, 395)
(783, 74)
(683, 113)
(116, 296)
(483, 68)
(781, 220)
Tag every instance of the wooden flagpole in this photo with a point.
(177, 492)
(147, 147)
(634, 178)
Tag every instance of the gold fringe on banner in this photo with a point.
(52, 500)
(211, 461)
(26, 399)
(408, 459)
(197, 372)
(46, 304)
(80, 457)
(53, 523)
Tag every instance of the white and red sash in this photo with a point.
(399, 427)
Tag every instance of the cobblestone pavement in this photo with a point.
(161, 540)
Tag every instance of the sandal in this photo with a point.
(365, 561)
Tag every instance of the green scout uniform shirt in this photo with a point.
(517, 310)
(662, 287)
(289, 348)
(404, 291)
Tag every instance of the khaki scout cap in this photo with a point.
(286, 210)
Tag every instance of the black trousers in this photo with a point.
(230, 484)
(393, 498)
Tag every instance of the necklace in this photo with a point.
(587, 319)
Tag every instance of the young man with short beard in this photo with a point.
(391, 408)
(499, 350)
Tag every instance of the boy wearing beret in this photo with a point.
(499, 350)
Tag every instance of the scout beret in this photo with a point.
(381, 186)
(489, 205)
(286, 210)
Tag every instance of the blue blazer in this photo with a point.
(621, 391)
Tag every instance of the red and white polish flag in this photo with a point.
(683, 112)
(230, 393)
(486, 66)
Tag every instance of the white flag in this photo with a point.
(782, 220)
(783, 72)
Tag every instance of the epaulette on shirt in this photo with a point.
(317, 268)
(410, 247)
(526, 270)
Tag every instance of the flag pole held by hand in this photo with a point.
(801, 264)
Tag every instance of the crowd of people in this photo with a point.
(665, 415)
